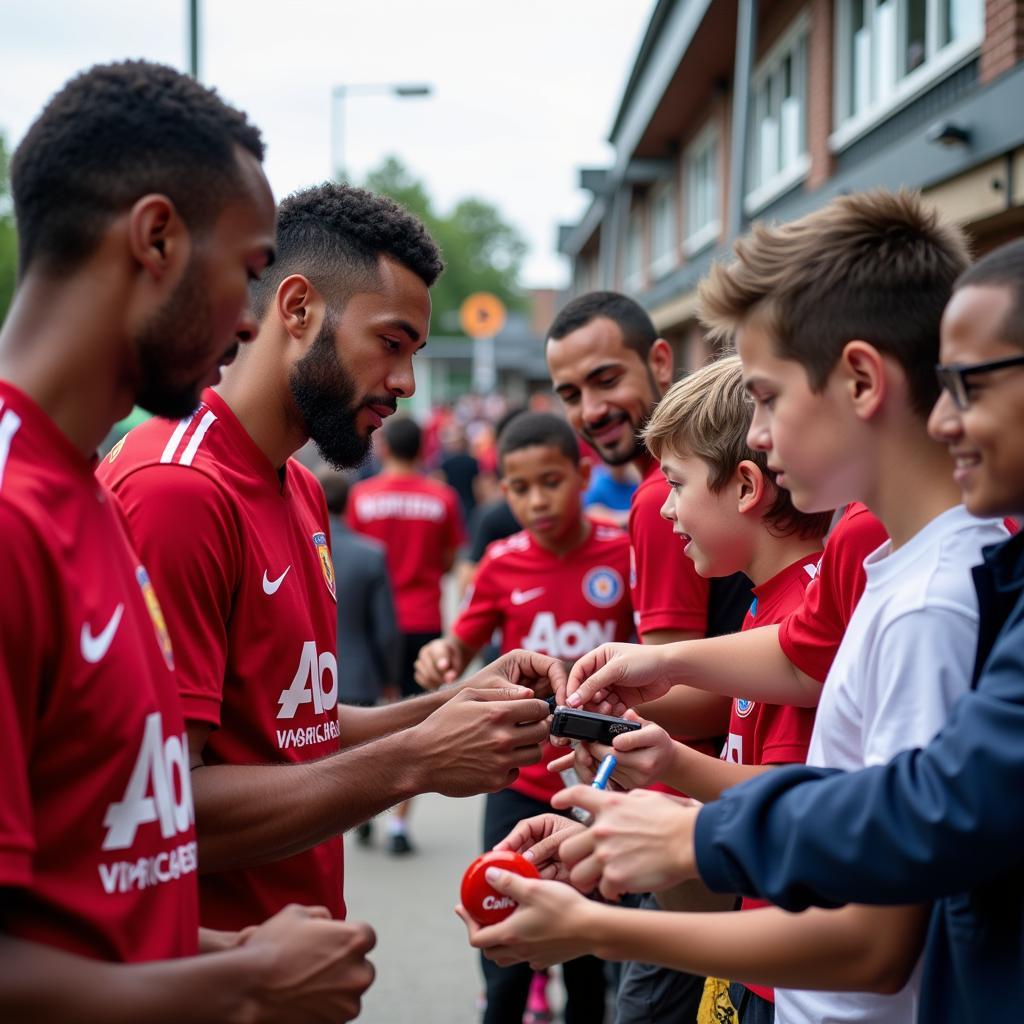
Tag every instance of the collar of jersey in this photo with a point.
(241, 444)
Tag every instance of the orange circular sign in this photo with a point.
(482, 315)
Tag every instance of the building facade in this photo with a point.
(737, 110)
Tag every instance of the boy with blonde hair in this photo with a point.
(724, 505)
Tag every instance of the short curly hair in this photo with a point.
(115, 133)
(334, 234)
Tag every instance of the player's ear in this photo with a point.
(158, 239)
(661, 363)
(584, 469)
(300, 309)
(751, 486)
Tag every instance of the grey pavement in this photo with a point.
(427, 973)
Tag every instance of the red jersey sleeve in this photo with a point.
(482, 613)
(667, 592)
(182, 524)
(25, 616)
(810, 635)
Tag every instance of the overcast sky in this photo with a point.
(524, 91)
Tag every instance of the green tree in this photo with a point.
(8, 238)
(482, 252)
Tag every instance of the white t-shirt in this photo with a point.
(906, 656)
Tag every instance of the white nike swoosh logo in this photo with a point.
(94, 647)
(522, 596)
(270, 586)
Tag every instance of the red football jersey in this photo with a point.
(97, 843)
(240, 557)
(772, 733)
(810, 636)
(563, 606)
(419, 522)
(667, 592)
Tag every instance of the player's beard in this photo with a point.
(325, 395)
(639, 449)
(172, 347)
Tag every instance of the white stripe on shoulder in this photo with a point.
(9, 423)
(175, 439)
(197, 438)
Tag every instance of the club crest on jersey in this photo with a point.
(116, 450)
(163, 638)
(323, 552)
(744, 707)
(602, 586)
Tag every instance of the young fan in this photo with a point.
(558, 588)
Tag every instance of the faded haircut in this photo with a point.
(335, 235)
(1002, 268)
(875, 266)
(707, 415)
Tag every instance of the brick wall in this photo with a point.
(1003, 47)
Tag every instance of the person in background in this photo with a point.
(458, 468)
(610, 368)
(369, 642)
(418, 521)
(557, 587)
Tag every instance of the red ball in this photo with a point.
(484, 904)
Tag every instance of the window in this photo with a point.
(887, 51)
(703, 205)
(633, 272)
(663, 228)
(778, 144)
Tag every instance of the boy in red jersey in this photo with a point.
(420, 525)
(610, 368)
(132, 287)
(235, 534)
(559, 588)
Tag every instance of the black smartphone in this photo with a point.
(588, 725)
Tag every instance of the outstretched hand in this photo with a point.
(550, 925)
(639, 841)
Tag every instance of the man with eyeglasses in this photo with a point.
(946, 822)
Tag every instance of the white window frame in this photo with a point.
(795, 41)
(633, 276)
(938, 63)
(664, 260)
(706, 144)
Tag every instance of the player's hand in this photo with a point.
(639, 841)
(551, 924)
(313, 968)
(538, 840)
(615, 675)
(437, 664)
(478, 741)
(543, 674)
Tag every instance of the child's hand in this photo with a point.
(644, 756)
(538, 839)
(549, 927)
(580, 760)
(639, 841)
(437, 664)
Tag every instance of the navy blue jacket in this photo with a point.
(945, 823)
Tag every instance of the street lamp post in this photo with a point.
(338, 94)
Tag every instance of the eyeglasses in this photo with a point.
(953, 378)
